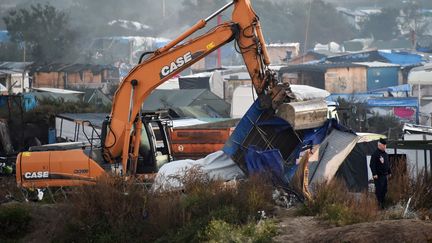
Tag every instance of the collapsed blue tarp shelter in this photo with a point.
(263, 142)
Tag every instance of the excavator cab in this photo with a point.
(154, 150)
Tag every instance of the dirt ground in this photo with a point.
(309, 229)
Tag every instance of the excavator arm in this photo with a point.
(123, 127)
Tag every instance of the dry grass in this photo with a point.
(9, 190)
(421, 193)
(335, 204)
(399, 185)
(419, 189)
(117, 210)
(109, 211)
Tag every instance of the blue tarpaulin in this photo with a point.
(4, 36)
(3, 100)
(357, 97)
(279, 123)
(393, 102)
(30, 101)
(402, 58)
(258, 161)
(243, 129)
(399, 88)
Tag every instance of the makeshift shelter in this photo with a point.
(344, 155)
(168, 99)
(421, 80)
(96, 97)
(57, 94)
(212, 81)
(14, 76)
(332, 152)
(424, 44)
(404, 108)
(62, 76)
(262, 142)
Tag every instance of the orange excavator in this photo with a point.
(122, 132)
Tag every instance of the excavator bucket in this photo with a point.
(304, 114)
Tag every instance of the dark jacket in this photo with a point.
(376, 166)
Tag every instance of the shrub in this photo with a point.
(421, 192)
(335, 204)
(111, 210)
(417, 187)
(14, 221)
(115, 210)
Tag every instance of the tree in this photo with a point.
(382, 26)
(43, 31)
(93, 17)
(285, 20)
(318, 22)
(10, 52)
(412, 21)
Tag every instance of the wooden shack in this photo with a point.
(78, 76)
(343, 78)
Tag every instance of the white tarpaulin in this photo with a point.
(421, 75)
(332, 152)
(3, 88)
(218, 166)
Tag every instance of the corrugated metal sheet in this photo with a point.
(318, 66)
(15, 66)
(95, 118)
(58, 91)
(377, 64)
(74, 67)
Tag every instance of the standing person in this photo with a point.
(380, 167)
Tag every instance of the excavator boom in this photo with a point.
(174, 57)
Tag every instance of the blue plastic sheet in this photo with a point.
(243, 129)
(259, 161)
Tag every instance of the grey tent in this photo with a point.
(169, 99)
(344, 155)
